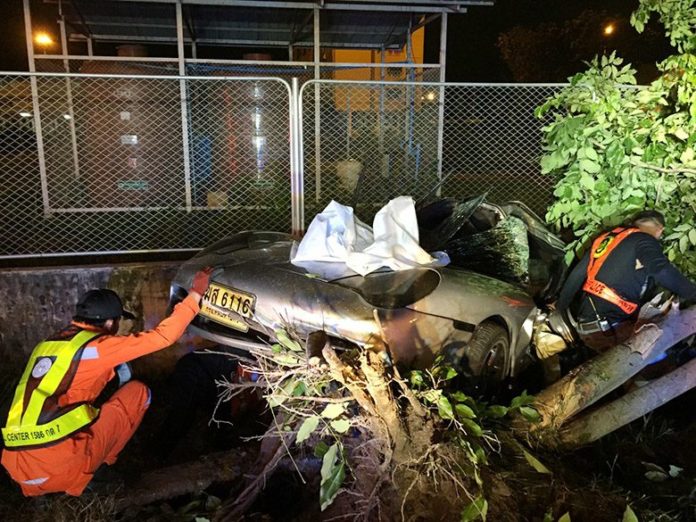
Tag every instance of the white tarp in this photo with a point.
(337, 236)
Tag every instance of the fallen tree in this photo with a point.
(174, 481)
(389, 447)
(630, 407)
(590, 382)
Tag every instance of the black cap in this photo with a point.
(101, 304)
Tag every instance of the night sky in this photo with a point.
(472, 51)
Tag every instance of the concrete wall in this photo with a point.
(37, 302)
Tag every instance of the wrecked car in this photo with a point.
(479, 311)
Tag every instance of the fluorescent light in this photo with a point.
(67, 116)
(25, 114)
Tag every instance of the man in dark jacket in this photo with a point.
(605, 291)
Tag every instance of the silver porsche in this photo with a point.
(479, 312)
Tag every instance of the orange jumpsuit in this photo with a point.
(68, 465)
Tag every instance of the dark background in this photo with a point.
(562, 33)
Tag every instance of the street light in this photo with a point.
(609, 29)
(43, 40)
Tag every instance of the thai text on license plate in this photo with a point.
(228, 306)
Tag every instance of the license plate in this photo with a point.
(228, 306)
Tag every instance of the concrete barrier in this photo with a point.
(37, 302)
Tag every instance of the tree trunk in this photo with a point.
(628, 408)
(186, 478)
(605, 372)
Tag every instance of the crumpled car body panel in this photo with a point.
(415, 313)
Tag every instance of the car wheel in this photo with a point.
(487, 355)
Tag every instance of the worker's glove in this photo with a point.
(201, 280)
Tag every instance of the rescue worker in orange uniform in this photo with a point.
(606, 289)
(55, 439)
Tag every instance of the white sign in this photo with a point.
(41, 368)
(129, 139)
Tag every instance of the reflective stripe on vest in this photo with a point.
(29, 424)
(601, 248)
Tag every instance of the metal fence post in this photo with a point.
(296, 161)
(36, 111)
(69, 97)
(317, 104)
(184, 105)
(441, 102)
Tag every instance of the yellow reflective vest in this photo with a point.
(35, 418)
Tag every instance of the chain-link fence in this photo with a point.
(113, 163)
(367, 142)
(123, 164)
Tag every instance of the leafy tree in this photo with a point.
(617, 149)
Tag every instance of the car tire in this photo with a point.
(487, 354)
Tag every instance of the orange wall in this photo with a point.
(366, 102)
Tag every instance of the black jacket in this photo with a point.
(632, 270)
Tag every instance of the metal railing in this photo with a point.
(105, 163)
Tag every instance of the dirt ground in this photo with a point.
(591, 484)
(596, 482)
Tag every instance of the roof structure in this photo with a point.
(369, 24)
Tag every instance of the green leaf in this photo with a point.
(449, 373)
(590, 154)
(535, 463)
(472, 427)
(565, 518)
(416, 379)
(333, 410)
(279, 397)
(475, 510)
(432, 396)
(286, 359)
(530, 414)
(521, 400)
(299, 389)
(589, 166)
(496, 411)
(681, 134)
(333, 471)
(320, 449)
(692, 236)
(444, 408)
(683, 244)
(587, 181)
(547, 164)
(340, 425)
(308, 426)
(459, 396)
(285, 340)
(464, 412)
(675, 471)
(629, 515)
